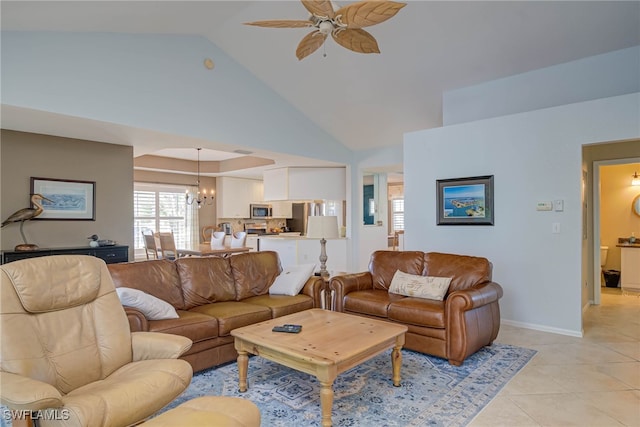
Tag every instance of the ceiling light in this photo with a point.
(204, 200)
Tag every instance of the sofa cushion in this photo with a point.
(292, 279)
(153, 308)
(234, 314)
(206, 280)
(384, 264)
(465, 271)
(254, 272)
(156, 277)
(372, 302)
(417, 286)
(418, 311)
(281, 305)
(195, 326)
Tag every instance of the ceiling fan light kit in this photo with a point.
(344, 24)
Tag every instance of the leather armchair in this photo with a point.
(67, 348)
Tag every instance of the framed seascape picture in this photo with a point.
(68, 199)
(465, 201)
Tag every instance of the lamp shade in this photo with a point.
(323, 227)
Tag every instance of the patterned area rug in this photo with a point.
(432, 393)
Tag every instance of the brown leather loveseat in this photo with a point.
(467, 319)
(212, 296)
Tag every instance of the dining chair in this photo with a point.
(151, 246)
(206, 233)
(167, 245)
(238, 239)
(396, 239)
(217, 239)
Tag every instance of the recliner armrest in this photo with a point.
(137, 321)
(23, 393)
(477, 296)
(312, 288)
(343, 285)
(158, 345)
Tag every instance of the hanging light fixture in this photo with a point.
(201, 200)
(635, 179)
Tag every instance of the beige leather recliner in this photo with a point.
(66, 345)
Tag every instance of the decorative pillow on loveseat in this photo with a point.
(292, 280)
(153, 308)
(411, 285)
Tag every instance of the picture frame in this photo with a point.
(465, 201)
(70, 200)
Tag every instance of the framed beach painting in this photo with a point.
(465, 201)
(68, 199)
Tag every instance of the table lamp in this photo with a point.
(323, 227)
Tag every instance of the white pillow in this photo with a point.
(292, 280)
(428, 287)
(153, 308)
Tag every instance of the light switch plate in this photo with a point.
(544, 206)
(558, 205)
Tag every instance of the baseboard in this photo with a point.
(543, 328)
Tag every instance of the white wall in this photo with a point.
(600, 76)
(534, 156)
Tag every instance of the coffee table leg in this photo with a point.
(396, 362)
(243, 365)
(326, 402)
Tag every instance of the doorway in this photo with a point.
(616, 211)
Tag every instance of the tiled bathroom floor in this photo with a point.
(589, 381)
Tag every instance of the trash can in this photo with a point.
(611, 278)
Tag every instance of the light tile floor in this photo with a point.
(589, 381)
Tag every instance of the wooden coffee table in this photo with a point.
(329, 344)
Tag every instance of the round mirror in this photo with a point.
(635, 205)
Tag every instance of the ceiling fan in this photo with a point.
(344, 24)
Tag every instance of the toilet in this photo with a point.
(603, 255)
(603, 260)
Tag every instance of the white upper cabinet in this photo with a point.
(281, 209)
(234, 195)
(305, 184)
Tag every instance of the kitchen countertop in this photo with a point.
(628, 245)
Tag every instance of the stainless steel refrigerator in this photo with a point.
(303, 210)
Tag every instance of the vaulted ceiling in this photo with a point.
(365, 101)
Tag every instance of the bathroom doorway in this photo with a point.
(611, 184)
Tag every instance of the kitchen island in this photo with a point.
(295, 250)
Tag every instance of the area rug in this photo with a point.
(432, 393)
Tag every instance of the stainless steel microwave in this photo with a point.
(260, 211)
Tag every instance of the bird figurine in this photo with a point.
(26, 214)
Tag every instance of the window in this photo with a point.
(163, 208)
(397, 214)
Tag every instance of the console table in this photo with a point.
(110, 254)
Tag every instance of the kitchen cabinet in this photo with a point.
(305, 184)
(281, 209)
(234, 195)
(630, 267)
(252, 242)
(301, 250)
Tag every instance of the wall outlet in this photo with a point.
(558, 205)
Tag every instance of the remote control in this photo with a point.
(292, 329)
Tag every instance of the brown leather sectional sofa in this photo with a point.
(212, 296)
(466, 320)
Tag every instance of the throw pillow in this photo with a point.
(292, 280)
(428, 287)
(153, 308)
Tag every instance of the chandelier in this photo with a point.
(201, 200)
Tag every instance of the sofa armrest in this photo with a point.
(313, 288)
(472, 320)
(157, 345)
(137, 321)
(23, 393)
(343, 285)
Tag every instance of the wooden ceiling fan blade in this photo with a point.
(357, 40)
(319, 7)
(281, 23)
(367, 13)
(309, 44)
